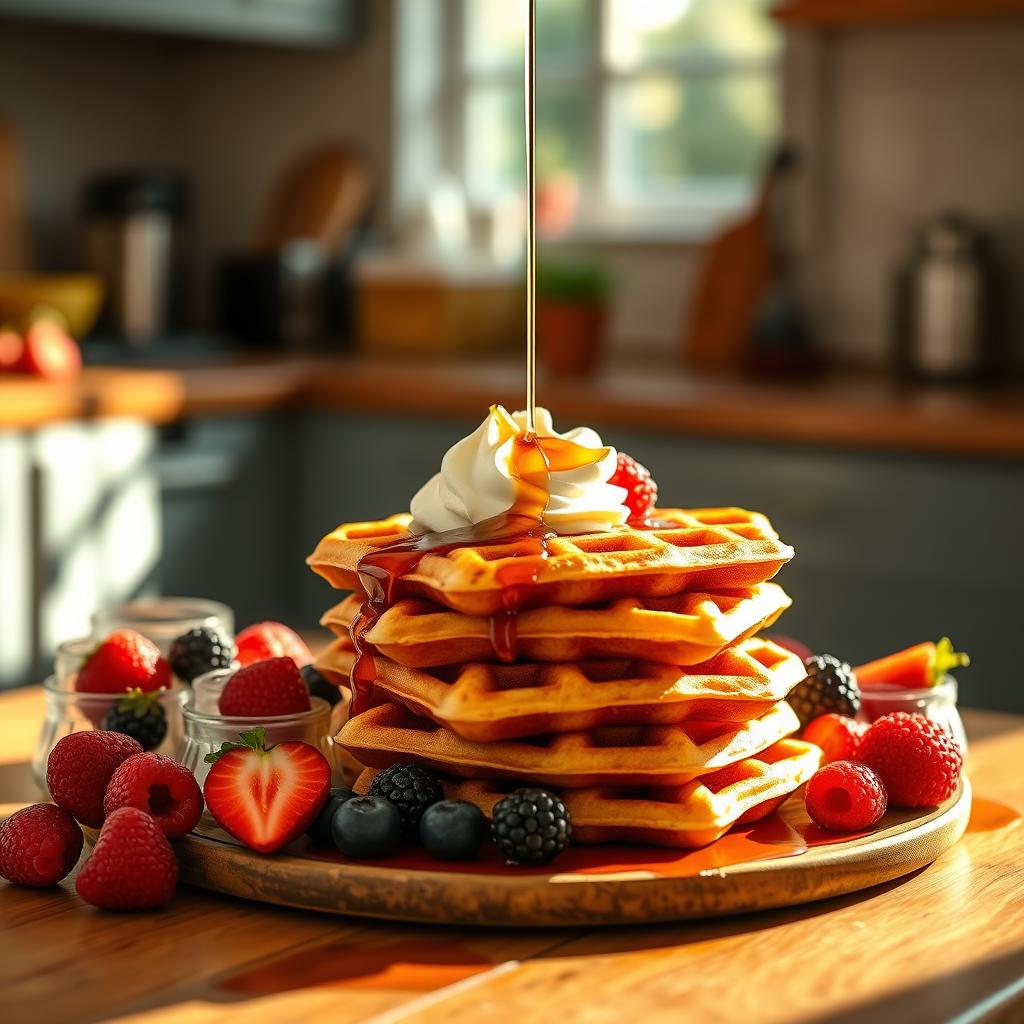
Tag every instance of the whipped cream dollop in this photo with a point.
(477, 482)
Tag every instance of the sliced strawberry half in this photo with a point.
(266, 798)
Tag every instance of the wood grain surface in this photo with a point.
(946, 943)
(856, 411)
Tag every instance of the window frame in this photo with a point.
(602, 214)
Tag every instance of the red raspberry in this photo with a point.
(132, 866)
(264, 689)
(123, 661)
(159, 786)
(80, 767)
(641, 490)
(271, 640)
(845, 796)
(838, 736)
(39, 845)
(919, 762)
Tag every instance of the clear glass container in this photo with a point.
(69, 711)
(161, 619)
(205, 729)
(937, 703)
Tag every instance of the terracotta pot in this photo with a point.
(570, 336)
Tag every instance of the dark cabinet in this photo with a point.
(229, 492)
(286, 22)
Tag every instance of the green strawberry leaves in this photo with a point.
(140, 704)
(252, 739)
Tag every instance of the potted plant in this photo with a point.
(572, 306)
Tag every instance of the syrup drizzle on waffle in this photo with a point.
(531, 463)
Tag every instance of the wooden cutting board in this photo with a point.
(781, 861)
(320, 197)
(737, 270)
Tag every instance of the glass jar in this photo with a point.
(162, 619)
(205, 729)
(937, 703)
(69, 711)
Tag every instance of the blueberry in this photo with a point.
(321, 827)
(453, 830)
(366, 826)
(319, 687)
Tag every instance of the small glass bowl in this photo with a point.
(69, 711)
(937, 703)
(162, 619)
(205, 729)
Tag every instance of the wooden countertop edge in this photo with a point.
(864, 415)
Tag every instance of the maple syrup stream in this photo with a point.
(521, 531)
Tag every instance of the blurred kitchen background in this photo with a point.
(782, 264)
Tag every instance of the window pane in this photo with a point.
(494, 32)
(494, 143)
(562, 129)
(670, 136)
(640, 31)
(495, 146)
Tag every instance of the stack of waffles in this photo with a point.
(630, 678)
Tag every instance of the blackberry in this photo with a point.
(139, 715)
(830, 687)
(411, 789)
(198, 651)
(531, 826)
(319, 687)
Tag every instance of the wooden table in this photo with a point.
(946, 944)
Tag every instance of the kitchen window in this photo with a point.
(652, 115)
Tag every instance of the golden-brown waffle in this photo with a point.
(484, 702)
(684, 629)
(659, 755)
(699, 549)
(335, 662)
(690, 815)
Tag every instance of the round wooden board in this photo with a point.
(782, 861)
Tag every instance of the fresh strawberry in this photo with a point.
(266, 798)
(12, 345)
(126, 660)
(50, 352)
(132, 866)
(845, 797)
(39, 845)
(80, 767)
(265, 689)
(271, 640)
(159, 786)
(917, 668)
(641, 490)
(919, 762)
(838, 736)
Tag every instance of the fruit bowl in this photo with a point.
(77, 297)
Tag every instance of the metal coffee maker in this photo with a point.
(133, 226)
(944, 319)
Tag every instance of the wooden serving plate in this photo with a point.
(783, 860)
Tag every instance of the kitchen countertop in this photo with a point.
(856, 411)
(945, 943)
